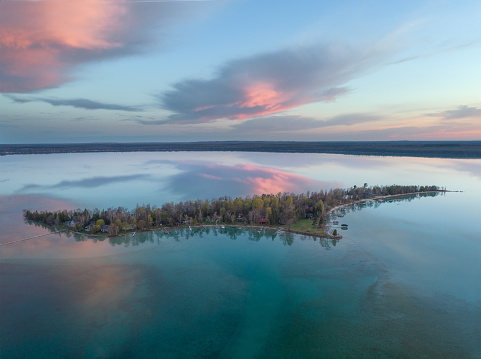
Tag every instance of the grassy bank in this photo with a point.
(305, 226)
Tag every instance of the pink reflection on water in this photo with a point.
(241, 180)
(11, 214)
(268, 180)
(49, 245)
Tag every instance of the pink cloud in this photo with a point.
(265, 97)
(205, 175)
(39, 40)
(268, 83)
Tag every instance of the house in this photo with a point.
(105, 228)
(262, 221)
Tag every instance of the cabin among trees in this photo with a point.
(267, 209)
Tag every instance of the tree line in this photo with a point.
(265, 209)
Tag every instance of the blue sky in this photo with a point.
(122, 71)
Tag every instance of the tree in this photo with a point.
(238, 204)
(268, 214)
(257, 203)
(247, 205)
(319, 210)
(289, 201)
(274, 202)
(114, 228)
(95, 229)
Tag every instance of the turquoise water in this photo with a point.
(403, 281)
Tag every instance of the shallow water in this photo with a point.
(403, 281)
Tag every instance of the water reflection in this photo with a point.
(12, 224)
(63, 244)
(156, 237)
(156, 178)
(376, 203)
(404, 280)
(91, 182)
(183, 234)
(238, 180)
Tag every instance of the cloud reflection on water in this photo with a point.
(91, 182)
(13, 227)
(127, 179)
(206, 180)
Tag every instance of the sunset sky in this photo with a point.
(146, 70)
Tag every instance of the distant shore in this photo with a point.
(431, 149)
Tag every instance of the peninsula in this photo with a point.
(307, 213)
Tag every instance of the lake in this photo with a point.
(402, 283)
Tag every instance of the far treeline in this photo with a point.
(438, 149)
(267, 209)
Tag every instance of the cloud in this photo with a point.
(77, 103)
(296, 123)
(92, 182)
(148, 122)
(40, 41)
(460, 112)
(269, 83)
(351, 119)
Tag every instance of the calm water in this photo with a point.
(403, 282)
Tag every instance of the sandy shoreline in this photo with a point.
(383, 197)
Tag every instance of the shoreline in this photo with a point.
(238, 226)
(384, 197)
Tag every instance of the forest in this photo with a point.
(281, 209)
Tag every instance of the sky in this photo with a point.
(79, 71)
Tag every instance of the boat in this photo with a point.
(335, 222)
(222, 226)
(340, 215)
(343, 225)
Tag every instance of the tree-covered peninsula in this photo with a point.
(281, 209)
